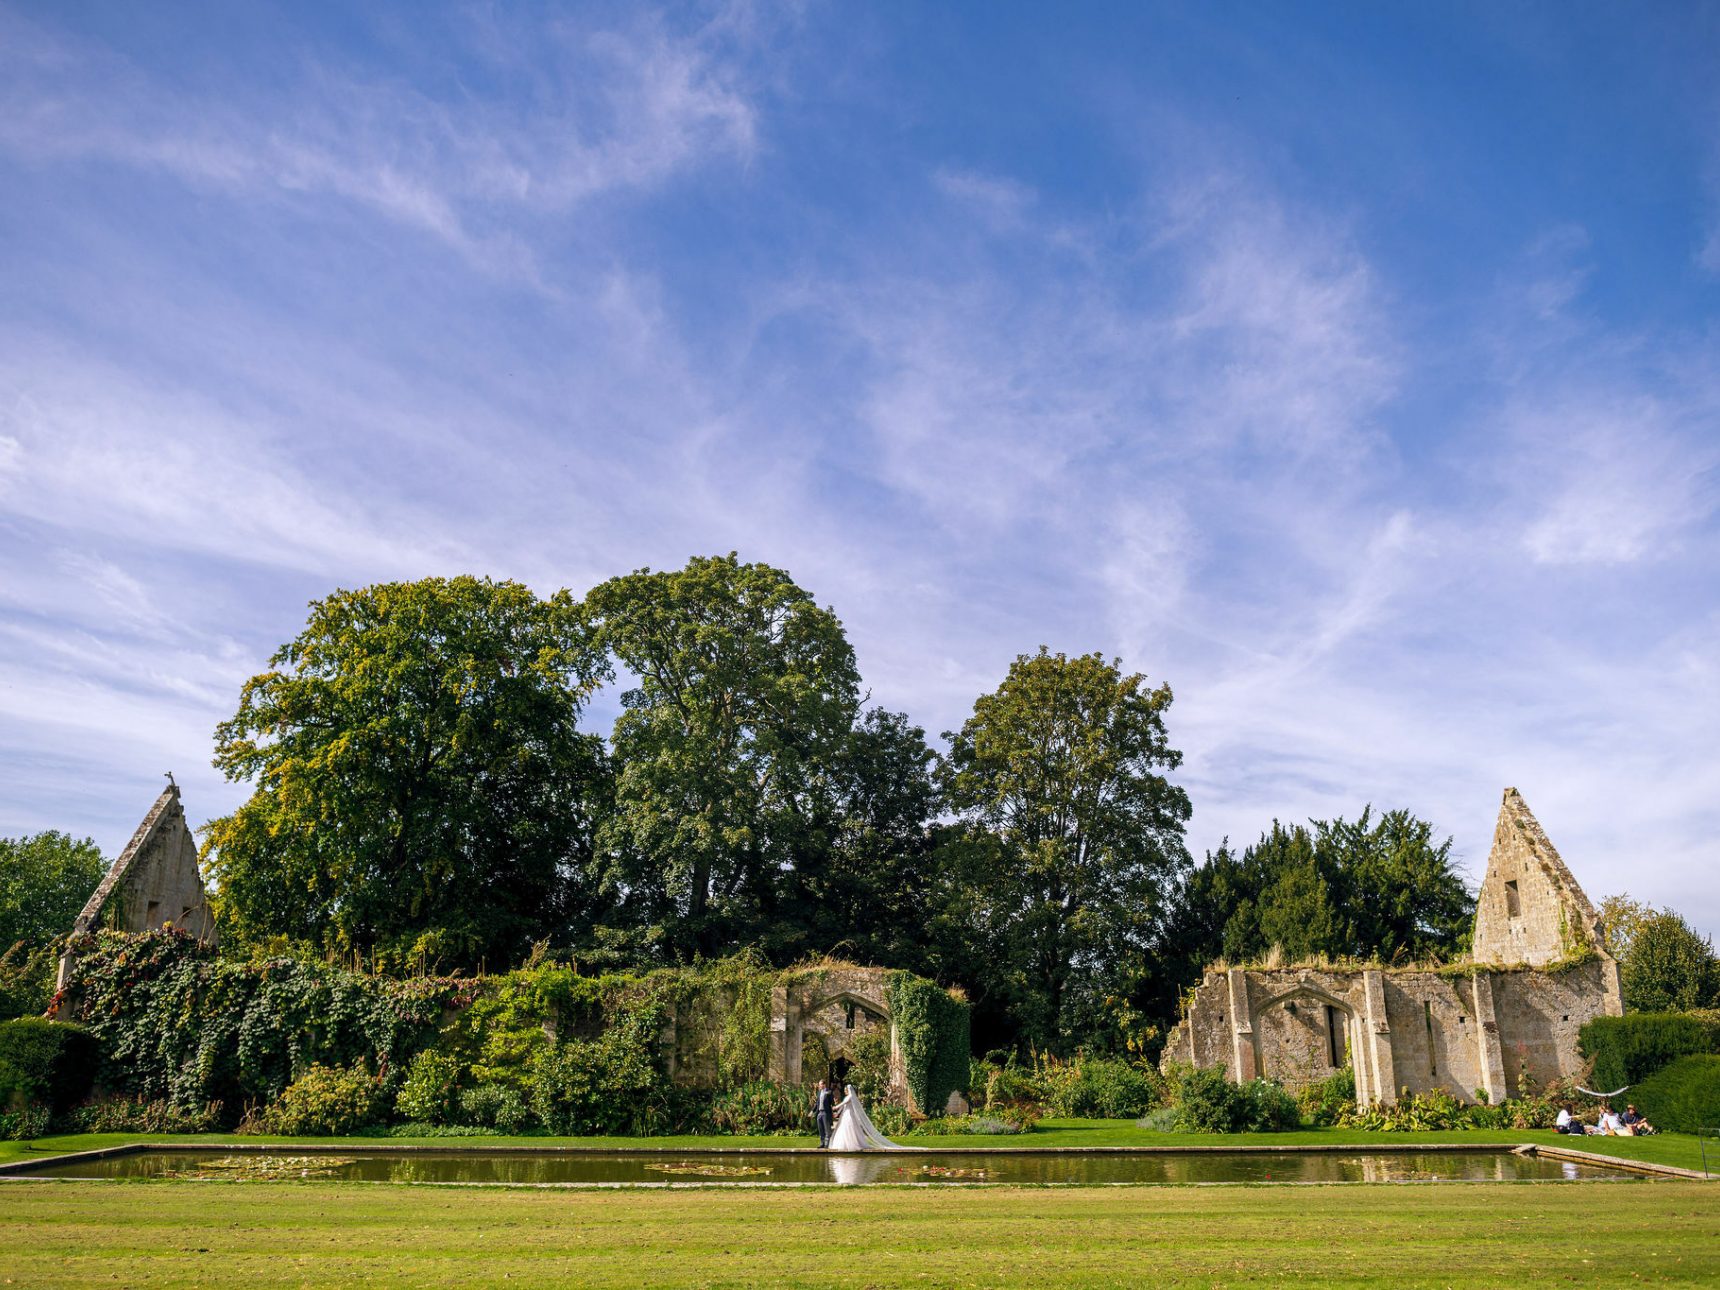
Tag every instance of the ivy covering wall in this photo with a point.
(932, 1035)
(187, 1032)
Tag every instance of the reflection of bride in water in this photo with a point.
(855, 1130)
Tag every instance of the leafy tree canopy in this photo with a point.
(1619, 919)
(1375, 888)
(419, 774)
(1667, 966)
(45, 878)
(729, 747)
(1079, 835)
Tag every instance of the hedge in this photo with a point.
(1684, 1096)
(1628, 1049)
(932, 1032)
(44, 1063)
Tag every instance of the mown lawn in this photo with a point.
(1667, 1148)
(278, 1234)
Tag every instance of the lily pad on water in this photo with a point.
(951, 1171)
(263, 1168)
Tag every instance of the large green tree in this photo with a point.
(420, 778)
(1075, 835)
(45, 878)
(729, 751)
(864, 891)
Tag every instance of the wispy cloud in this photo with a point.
(610, 111)
(555, 298)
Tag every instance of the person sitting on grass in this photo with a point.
(1607, 1123)
(1568, 1123)
(1634, 1122)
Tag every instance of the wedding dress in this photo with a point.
(855, 1130)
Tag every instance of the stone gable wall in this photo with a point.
(154, 881)
(1529, 909)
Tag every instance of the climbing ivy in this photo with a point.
(932, 1034)
(178, 1024)
(183, 1029)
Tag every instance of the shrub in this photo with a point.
(1267, 1108)
(607, 1085)
(420, 1130)
(980, 1125)
(890, 1119)
(47, 1063)
(1162, 1119)
(1100, 1088)
(760, 1106)
(1011, 1085)
(1684, 1096)
(496, 1106)
(24, 1124)
(430, 1093)
(138, 1115)
(27, 979)
(1207, 1102)
(1627, 1050)
(324, 1100)
(1326, 1102)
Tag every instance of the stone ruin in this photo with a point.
(154, 883)
(1491, 1027)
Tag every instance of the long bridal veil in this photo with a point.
(855, 1130)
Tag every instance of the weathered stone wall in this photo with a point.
(1530, 909)
(154, 881)
(1403, 1030)
(1540, 1014)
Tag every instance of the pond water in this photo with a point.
(950, 1167)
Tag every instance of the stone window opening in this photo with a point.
(1432, 1061)
(848, 1016)
(1334, 1036)
(1513, 901)
(151, 914)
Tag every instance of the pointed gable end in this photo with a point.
(155, 880)
(1530, 909)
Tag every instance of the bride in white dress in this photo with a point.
(855, 1130)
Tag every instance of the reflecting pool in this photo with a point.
(520, 1167)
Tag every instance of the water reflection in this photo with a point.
(711, 1168)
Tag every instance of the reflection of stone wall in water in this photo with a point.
(1493, 1027)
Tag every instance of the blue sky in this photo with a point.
(1353, 368)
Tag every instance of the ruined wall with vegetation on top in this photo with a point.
(1492, 1028)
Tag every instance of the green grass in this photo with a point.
(280, 1234)
(1667, 1148)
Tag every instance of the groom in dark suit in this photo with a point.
(823, 1108)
